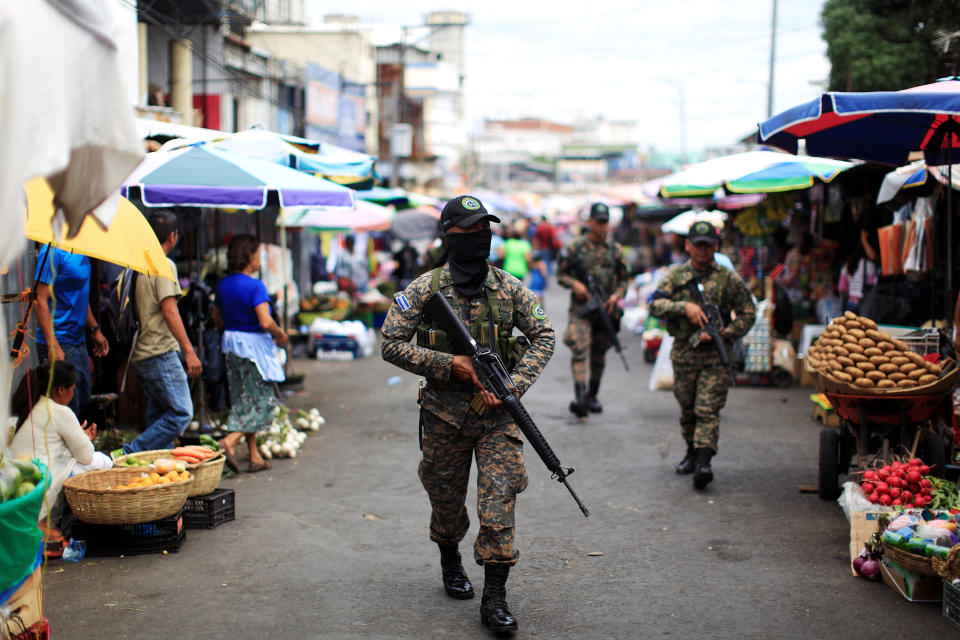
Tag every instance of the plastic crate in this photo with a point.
(327, 347)
(211, 510)
(922, 341)
(167, 534)
(951, 603)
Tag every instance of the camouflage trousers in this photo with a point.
(445, 473)
(702, 392)
(583, 340)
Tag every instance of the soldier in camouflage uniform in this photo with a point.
(458, 419)
(604, 260)
(700, 381)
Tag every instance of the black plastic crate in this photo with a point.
(211, 510)
(951, 603)
(158, 536)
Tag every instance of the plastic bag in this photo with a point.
(20, 536)
(661, 378)
(853, 500)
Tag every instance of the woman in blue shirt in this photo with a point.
(250, 345)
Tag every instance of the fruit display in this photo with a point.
(18, 477)
(904, 485)
(177, 472)
(923, 533)
(855, 353)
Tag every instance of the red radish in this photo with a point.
(874, 497)
(924, 470)
(925, 483)
(897, 502)
(914, 476)
(884, 473)
(869, 475)
(883, 487)
(907, 496)
(885, 500)
(895, 492)
(867, 488)
(916, 462)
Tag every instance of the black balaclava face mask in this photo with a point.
(467, 255)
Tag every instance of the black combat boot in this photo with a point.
(579, 405)
(455, 580)
(703, 474)
(593, 406)
(689, 461)
(493, 606)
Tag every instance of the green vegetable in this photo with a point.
(24, 489)
(210, 442)
(28, 472)
(944, 495)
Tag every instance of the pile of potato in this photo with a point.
(854, 351)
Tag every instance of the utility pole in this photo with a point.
(682, 115)
(773, 52)
(398, 112)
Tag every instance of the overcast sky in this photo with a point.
(627, 59)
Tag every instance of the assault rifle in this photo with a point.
(596, 305)
(495, 379)
(713, 328)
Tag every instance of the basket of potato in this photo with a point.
(853, 355)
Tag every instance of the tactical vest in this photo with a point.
(511, 348)
(680, 326)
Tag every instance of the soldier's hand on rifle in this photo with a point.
(462, 369)
(580, 291)
(705, 337)
(696, 315)
(612, 303)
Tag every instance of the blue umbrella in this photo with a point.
(879, 126)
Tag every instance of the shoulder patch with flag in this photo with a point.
(402, 301)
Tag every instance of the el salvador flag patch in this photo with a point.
(402, 302)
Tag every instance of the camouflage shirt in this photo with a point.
(721, 286)
(604, 261)
(445, 396)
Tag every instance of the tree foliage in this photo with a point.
(885, 45)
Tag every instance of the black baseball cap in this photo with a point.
(703, 231)
(599, 212)
(464, 211)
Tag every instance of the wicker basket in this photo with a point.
(93, 501)
(206, 474)
(909, 561)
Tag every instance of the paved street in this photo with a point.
(333, 544)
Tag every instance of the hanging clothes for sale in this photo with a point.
(917, 246)
(891, 249)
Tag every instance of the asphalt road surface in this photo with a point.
(333, 544)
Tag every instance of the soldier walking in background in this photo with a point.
(458, 419)
(604, 261)
(700, 381)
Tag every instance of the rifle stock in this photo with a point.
(496, 379)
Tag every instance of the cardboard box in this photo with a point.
(806, 378)
(863, 524)
(25, 602)
(914, 587)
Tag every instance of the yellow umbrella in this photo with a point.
(129, 242)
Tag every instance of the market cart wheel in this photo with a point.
(829, 464)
